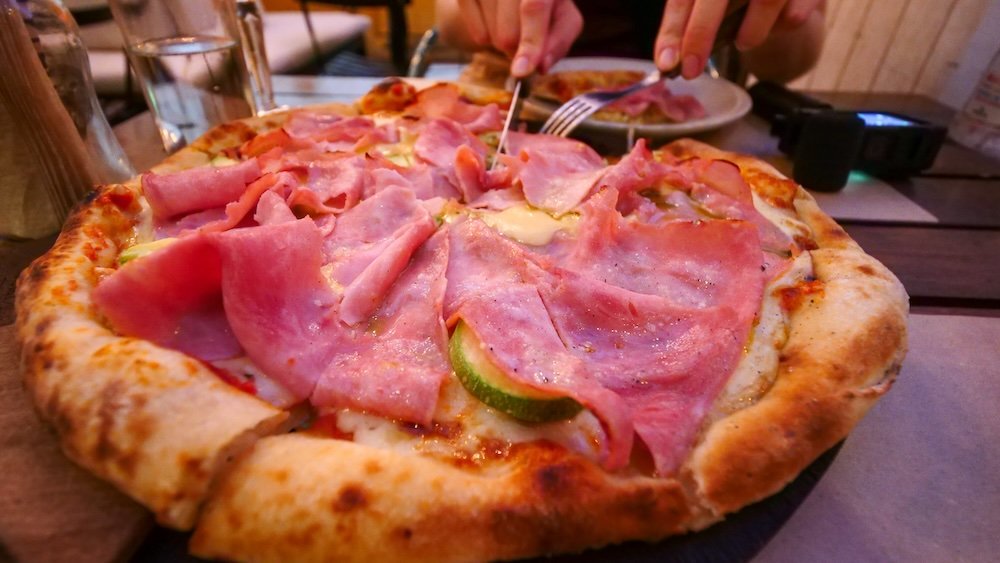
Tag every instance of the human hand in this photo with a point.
(534, 33)
(688, 28)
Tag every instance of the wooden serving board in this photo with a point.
(50, 509)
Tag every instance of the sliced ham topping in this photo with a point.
(634, 172)
(238, 211)
(555, 173)
(278, 303)
(371, 245)
(173, 298)
(771, 237)
(395, 365)
(664, 353)
(272, 208)
(498, 199)
(581, 154)
(667, 363)
(444, 100)
(489, 290)
(440, 138)
(197, 189)
(472, 177)
(364, 294)
(692, 264)
(327, 127)
(722, 176)
(675, 107)
(425, 181)
(332, 186)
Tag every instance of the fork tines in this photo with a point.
(567, 116)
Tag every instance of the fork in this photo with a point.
(572, 113)
(567, 116)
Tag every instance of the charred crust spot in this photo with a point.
(90, 197)
(405, 533)
(553, 480)
(110, 406)
(866, 270)
(193, 466)
(351, 497)
(835, 233)
(806, 243)
(42, 326)
(38, 271)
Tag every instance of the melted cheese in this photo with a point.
(528, 225)
(784, 219)
(757, 369)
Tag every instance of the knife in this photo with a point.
(513, 110)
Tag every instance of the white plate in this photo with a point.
(724, 101)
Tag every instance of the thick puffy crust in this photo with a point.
(154, 422)
(845, 347)
(306, 498)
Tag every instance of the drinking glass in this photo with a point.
(189, 61)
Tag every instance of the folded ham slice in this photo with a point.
(172, 297)
(179, 193)
(689, 263)
(395, 365)
(491, 287)
(663, 342)
(371, 245)
(425, 181)
(676, 108)
(438, 140)
(277, 302)
(332, 185)
(445, 100)
(336, 133)
(555, 173)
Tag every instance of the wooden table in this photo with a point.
(916, 480)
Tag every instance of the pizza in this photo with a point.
(333, 335)
(649, 106)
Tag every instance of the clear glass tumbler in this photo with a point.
(189, 60)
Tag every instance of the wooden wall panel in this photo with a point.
(905, 46)
(873, 41)
(950, 45)
(844, 31)
(919, 30)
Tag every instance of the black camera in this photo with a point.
(825, 144)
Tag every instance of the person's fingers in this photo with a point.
(760, 18)
(797, 12)
(472, 16)
(535, 18)
(507, 26)
(666, 54)
(566, 25)
(699, 35)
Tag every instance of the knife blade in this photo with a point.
(512, 111)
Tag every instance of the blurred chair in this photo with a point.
(292, 47)
(398, 30)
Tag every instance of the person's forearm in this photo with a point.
(788, 53)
